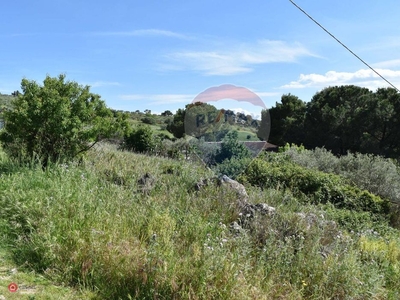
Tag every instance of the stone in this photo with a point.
(235, 228)
(236, 186)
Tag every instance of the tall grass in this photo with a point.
(90, 225)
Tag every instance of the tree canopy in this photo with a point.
(341, 119)
(333, 118)
(57, 120)
(199, 120)
(287, 121)
(177, 126)
(264, 128)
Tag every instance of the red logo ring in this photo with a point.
(12, 287)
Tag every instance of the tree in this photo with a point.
(139, 139)
(197, 119)
(203, 119)
(148, 119)
(166, 113)
(56, 121)
(232, 148)
(249, 119)
(333, 119)
(177, 126)
(380, 116)
(287, 121)
(265, 126)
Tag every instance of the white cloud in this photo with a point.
(143, 32)
(239, 58)
(254, 114)
(364, 77)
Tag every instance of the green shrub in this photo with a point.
(351, 220)
(56, 121)
(378, 175)
(231, 148)
(232, 167)
(149, 120)
(313, 186)
(140, 139)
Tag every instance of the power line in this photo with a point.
(347, 48)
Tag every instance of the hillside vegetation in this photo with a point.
(99, 226)
(156, 217)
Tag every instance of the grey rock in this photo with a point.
(236, 186)
(310, 219)
(236, 228)
(265, 209)
(249, 211)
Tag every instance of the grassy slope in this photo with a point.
(243, 135)
(89, 227)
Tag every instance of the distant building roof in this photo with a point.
(261, 145)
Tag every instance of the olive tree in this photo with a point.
(56, 121)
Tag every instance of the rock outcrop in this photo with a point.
(252, 217)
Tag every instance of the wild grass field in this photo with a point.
(120, 225)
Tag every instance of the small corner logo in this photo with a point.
(12, 287)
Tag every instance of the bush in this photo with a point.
(231, 148)
(313, 186)
(376, 174)
(140, 139)
(56, 121)
(149, 120)
(233, 167)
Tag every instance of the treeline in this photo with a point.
(341, 119)
(205, 120)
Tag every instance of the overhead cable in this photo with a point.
(347, 48)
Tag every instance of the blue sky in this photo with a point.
(159, 55)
